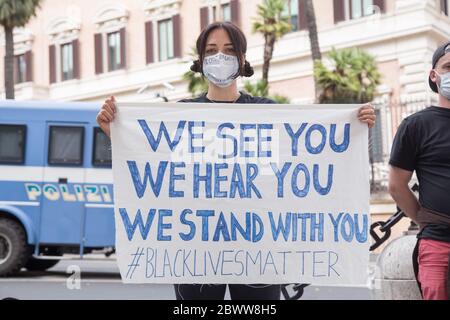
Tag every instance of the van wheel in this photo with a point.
(14, 252)
(34, 264)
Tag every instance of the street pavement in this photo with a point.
(100, 279)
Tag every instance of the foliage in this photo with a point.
(17, 13)
(353, 78)
(261, 89)
(196, 81)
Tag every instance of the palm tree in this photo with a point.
(196, 83)
(272, 25)
(261, 89)
(312, 29)
(313, 38)
(353, 78)
(13, 14)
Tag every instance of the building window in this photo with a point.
(23, 67)
(20, 68)
(360, 8)
(163, 30)
(445, 6)
(63, 50)
(22, 61)
(102, 149)
(354, 9)
(229, 11)
(225, 12)
(114, 56)
(110, 52)
(64, 61)
(12, 144)
(67, 61)
(291, 12)
(66, 145)
(166, 41)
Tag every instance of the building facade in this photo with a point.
(138, 50)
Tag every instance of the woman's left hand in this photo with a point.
(367, 115)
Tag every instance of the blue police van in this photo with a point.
(56, 192)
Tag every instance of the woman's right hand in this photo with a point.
(106, 115)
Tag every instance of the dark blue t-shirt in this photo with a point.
(422, 144)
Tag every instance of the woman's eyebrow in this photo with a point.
(212, 44)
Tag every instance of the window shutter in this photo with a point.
(444, 8)
(176, 36)
(235, 12)
(29, 66)
(339, 10)
(16, 69)
(204, 17)
(76, 59)
(60, 63)
(149, 42)
(52, 66)
(380, 4)
(302, 23)
(98, 53)
(123, 56)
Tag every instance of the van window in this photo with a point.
(66, 145)
(102, 149)
(12, 144)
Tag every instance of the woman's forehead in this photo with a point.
(218, 36)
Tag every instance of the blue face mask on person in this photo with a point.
(444, 84)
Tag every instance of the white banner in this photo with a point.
(221, 193)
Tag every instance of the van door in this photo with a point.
(62, 216)
(99, 230)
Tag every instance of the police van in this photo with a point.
(56, 193)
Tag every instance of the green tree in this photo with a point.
(312, 30)
(13, 14)
(313, 38)
(353, 77)
(196, 81)
(261, 89)
(272, 25)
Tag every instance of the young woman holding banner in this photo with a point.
(222, 48)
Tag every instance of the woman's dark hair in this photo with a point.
(238, 40)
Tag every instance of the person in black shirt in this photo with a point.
(222, 48)
(422, 144)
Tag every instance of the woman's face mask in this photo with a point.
(221, 69)
(444, 84)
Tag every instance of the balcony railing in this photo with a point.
(389, 116)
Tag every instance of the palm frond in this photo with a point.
(352, 78)
(17, 13)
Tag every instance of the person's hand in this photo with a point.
(366, 114)
(106, 114)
